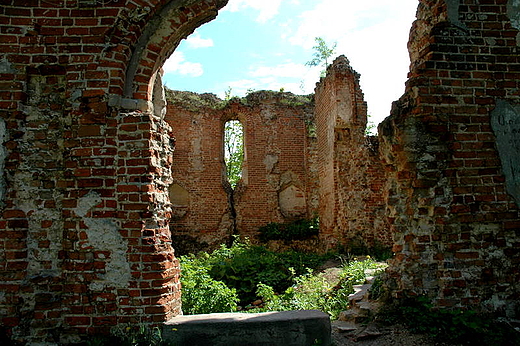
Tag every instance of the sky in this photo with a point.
(264, 45)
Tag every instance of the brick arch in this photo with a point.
(162, 34)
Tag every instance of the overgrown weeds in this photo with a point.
(449, 325)
(233, 273)
(244, 273)
(311, 291)
(297, 230)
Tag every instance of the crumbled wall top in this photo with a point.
(195, 102)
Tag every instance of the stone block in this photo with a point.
(288, 328)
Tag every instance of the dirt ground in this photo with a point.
(374, 335)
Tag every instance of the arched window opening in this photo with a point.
(233, 151)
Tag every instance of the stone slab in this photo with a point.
(287, 328)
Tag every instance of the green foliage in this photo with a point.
(311, 291)
(297, 230)
(139, 336)
(449, 325)
(201, 294)
(322, 54)
(377, 250)
(371, 128)
(377, 289)
(250, 271)
(243, 266)
(228, 94)
(233, 151)
(240, 267)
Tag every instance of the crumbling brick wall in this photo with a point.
(202, 217)
(276, 177)
(85, 165)
(351, 173)
(452, 145)
(84, 162)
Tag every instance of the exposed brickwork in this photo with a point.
(83, 228)
(351, 174)
(204, 217)
(457, 230)
(84, 162)
(278, 153)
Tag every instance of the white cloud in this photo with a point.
(196, 41)
(283, 70)
(238, 87)
(292, 77)
(373, 34)
(177, 64)
(267, 8)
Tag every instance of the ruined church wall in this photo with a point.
(452, 147)
(276, 178)
(84, 237)
(277, 158)
(85, 164)
(352, 177)
(201, 212)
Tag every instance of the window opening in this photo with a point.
(233, 151)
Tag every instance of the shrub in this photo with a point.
(201, 294)
(215, 282)
(239, 267)
(311, 291)
(297, 230)
(449, 325)
(243, 266)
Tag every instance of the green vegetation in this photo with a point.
(322, 54)
(297, 230)
(447, 325)
(358, 247)
(310, 291)
(192, 101)
(285, 281)
(233, 151)
(201, 293)
(196, 102)
(371, 129)
(240, 268)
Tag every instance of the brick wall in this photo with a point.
(85, 165)
(275, 185)
(453, 151)
(351, 174)
(84, 162)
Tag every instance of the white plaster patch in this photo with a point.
(270, 161)
(87, 202)
(505, 122)
(26, 201)
(103, 234)
(292, 201)
(513, 12)
(6, 66)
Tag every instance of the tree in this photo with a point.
(233, 151)
(322, 53)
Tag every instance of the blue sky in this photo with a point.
(264, 45)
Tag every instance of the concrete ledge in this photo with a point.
(286, 328)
